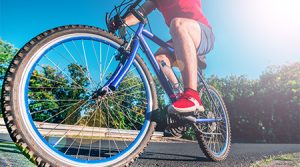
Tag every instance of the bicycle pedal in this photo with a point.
(189, 119)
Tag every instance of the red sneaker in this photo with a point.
(187, 103)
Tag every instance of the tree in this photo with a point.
(7, 52)
(279, 101)
(50, 92)
(266, 109)
(124, 109)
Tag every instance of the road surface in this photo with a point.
(170, 154)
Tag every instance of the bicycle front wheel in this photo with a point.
(49, 104)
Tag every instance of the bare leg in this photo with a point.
(162, 56)
(186, 35)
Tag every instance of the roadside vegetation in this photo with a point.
(7, 51)
(267, 107)
(287, 160)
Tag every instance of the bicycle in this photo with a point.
(59, 113)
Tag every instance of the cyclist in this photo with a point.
(192, 38)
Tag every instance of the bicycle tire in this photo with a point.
(202, 139)
(10, 95)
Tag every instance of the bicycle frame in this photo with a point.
(139, 41)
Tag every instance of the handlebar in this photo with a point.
(135, 4)
(118, 20)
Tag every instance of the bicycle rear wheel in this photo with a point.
(50, 110)
(214, 138)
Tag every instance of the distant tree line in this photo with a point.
(260, 110)
(266, 109)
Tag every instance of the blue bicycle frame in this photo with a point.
(139, 41)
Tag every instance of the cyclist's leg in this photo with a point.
(186, 35)
(162, 55)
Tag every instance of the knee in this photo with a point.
(177, 26)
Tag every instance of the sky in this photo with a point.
(250, 34)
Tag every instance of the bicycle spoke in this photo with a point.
(135, 93)
(99, 127)
(35, 100)
(58, 82)
(100, 48)
(86, 122)
(82, 130)
(76, 63)
(86, 63)
(92, 135)
(78, 52)
(116, 128)
(96, 56)
(59, 113)
(54, 88)
(53, 108)
(131, 110)
(105, 63)
(112, 58)
(128, 88)
(217, 138)
(65, 110)
(67, 117)
(63, 72)
(128, 117)
(133, 96)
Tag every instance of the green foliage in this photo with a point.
(50, 93)
(161, 115)
(125, 109)
(7, 52)
(263, 110)
(279, 102)
(189, 134)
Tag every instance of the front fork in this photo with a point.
(126, 59)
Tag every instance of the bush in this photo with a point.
(266, 109)
(7, 51)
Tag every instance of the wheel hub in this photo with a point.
(102, 93)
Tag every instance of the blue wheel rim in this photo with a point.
(223, 150)
(210, 131)
(133, 144)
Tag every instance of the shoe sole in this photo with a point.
(185, 111)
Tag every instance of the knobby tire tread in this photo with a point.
(7, 102)
(202, 142)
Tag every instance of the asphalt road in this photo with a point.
(189, 154)
(170, 154)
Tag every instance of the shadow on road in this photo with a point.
(175, 157)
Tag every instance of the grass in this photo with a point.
(10, 155)
(287, 160)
